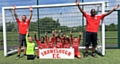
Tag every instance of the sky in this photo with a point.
(66, 15)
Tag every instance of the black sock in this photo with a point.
(18, 55)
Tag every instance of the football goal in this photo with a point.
(64, 17)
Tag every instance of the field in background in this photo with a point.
(111, 37)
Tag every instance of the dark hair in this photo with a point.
(75, 37)
(24, 15)
(63, 34)
(29, 35)
(43, 37)
(93, 10)
(67, 38)
(57, 36)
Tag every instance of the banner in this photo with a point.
(56, 53)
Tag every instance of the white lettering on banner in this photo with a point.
(56, 53)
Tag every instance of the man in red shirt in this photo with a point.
(22, 29)
(92, 26)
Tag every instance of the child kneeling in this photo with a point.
(30, 48)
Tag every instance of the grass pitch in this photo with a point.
(112, 57)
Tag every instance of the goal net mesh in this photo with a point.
(65, 18)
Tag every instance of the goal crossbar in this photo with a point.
(56, 5)
(102, 3)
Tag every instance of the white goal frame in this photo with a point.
(102, 3)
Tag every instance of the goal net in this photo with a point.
(46, 18)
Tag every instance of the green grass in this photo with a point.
(112, 57)
(111, 37)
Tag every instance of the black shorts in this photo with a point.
(30, 57)
(22, 40)
(91, 37)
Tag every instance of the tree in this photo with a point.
(1, 28)
(11, 26)
(47, 24)
(111, 27)
(33, 26)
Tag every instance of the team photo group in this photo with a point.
(59, 42)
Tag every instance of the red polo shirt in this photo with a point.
(59, 45)
(93, 23)
(40, 45)
(75, 45)
(50, 44)
(23, 26)
(66, 45)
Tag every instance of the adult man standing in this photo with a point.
(92, 26)
(23, 26)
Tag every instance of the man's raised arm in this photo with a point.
(14, 7)
(115, 7)
(77, 3)
(30, 12)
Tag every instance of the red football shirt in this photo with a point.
(40, 45)
(50, 44)
(66, 45)
(75, 45)
(59, 45)
(23, 26)
(92, 23)
(63, 40)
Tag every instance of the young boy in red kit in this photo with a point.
(62, 37)
(75, 44)
(67, 43)
(41, 43)
(51, 40)
(58, 42)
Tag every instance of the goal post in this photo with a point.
(102, 4)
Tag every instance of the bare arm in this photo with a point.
(80, 33)
(27, 37)
(35, 37)
(30, 12)
(53, 32)
(71, 34)
(59, 33)
(115, 7)
(46, 38)
(77, 3)
(71, 38)
(14, 7)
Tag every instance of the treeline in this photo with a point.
(111, 27)
(48, 24)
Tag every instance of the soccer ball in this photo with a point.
(99, 47)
